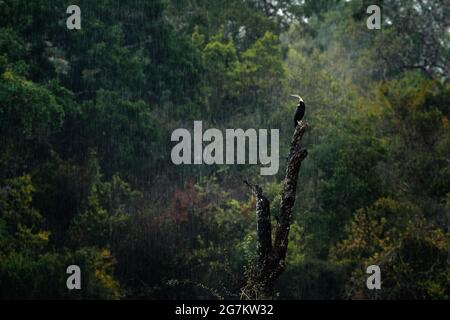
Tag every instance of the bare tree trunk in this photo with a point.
(271, 257)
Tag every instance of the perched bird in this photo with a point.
(300, 112)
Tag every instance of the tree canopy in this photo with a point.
(86, 118)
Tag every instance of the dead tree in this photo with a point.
(271, 253)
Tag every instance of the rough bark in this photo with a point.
(271, 256)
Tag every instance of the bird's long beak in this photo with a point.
(297, 96)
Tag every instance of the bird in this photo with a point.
(300, 112)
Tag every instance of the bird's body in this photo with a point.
(300, 112)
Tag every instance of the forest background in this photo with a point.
(85, 123)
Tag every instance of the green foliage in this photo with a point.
(27, 270)
(21, 223)
(109, 206)
(29, 115)
(411, 251)
(240, 82)
(377, 230)
(312, 279)
(85, 124)
(261, 73)
(12, 51)
(415, 102)
(44, 277)
(224, 242)
(122, 133)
